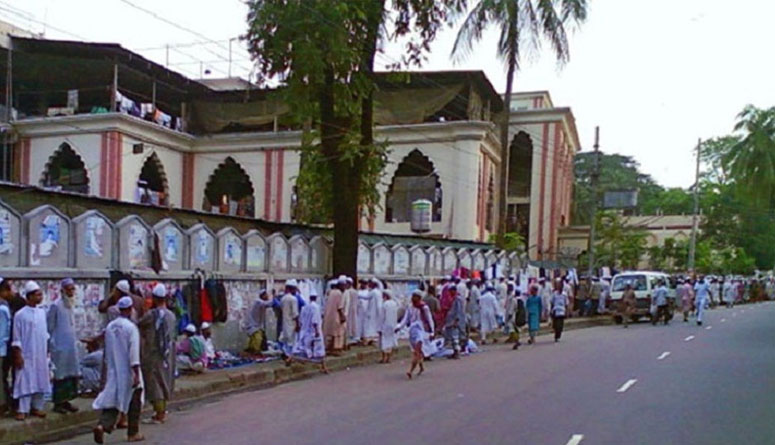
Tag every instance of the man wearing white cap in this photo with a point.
(120, 290)
(310, 343)
(64, 352)
(388, 321)
(29, 347)
(123, 390)
(158, 361)
(334, 319)
(207, 336)
(290, 317)
(191, 354)
(373, 300)
(351, 304)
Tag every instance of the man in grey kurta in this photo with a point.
(157, 330)
(63, 350)
(455, 323)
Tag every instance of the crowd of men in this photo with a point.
(141, 352)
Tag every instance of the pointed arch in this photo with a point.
(415, 178)
(227, 184)
(152, 183)
(65, 170)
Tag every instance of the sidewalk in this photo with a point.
(218, 383)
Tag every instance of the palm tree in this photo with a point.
(521, 22)
(751, 161)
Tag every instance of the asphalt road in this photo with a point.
(680, 384)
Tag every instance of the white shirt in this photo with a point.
(30, 334)
(122, 352)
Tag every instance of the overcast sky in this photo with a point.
(655, 76)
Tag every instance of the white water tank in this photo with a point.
(422, 214)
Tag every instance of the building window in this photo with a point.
(520, 165)
(490, 204)
(152, 184)
(518, 220)
(66, 171)
(230, 191)
(416, 178)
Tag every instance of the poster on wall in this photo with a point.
(232, 252)
(202, 247)
(138, 246)
(401, 261)
(279, 254)
(171, 244)
(6, 243)
(95, 228)
(49, 235)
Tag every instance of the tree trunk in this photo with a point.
(503, 205)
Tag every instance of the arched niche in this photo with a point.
(464, 258)
(320, 255)
(415, 178)
(401, 260)
(230, 248)
(229, 191)
(435, 261)
(449, 260)
(418, 260)
(172, 243)
(201, 252)
(152, 186)
(278, 253)
(93, 241)
(364, 258)
(255, 251)
(11, 246)
(299, 253)
(66, 171)
(382, 259)
(133, 243)
(490, 258)
(477, 260)
(520, 165)
(48, 232)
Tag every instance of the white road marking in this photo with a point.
(708, 328)
(575, 439)
(627, 385)
(663, 355)
(689, 338)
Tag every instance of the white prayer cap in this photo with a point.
(30, 287)
(417, 292)
(125, 302)
(388, 292)
(1, 280)
(123, 286)
(67, 282)
(291, 283)
(375, 280)
(350, 280)
(342, 279)
(206, 325)
(190, 328)
(160, 291)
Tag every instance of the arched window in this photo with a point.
(152, 184)
(66, 171)
(416, 178)
(229, 191)
(520, 165)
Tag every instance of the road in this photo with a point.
(680, 384)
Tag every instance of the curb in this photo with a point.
(248, 378)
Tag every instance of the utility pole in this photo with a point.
(593, 209)
(695, 219)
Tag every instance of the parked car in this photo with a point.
(643, 283)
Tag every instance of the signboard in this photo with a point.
(620, 199)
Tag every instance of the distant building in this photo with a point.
(574, 240)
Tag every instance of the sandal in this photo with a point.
(136, 438)
(38, 414)
(99, 434)
(21, 417)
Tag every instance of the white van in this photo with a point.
(643, 283)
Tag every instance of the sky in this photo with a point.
(655, 76)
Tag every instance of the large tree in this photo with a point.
(522, 25)
(751, 161)
(322, 52)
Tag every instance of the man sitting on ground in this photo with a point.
(191, 355)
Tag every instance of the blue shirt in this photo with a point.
(701, 290)
(660, 296)
(5, 328)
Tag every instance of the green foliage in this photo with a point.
(618, 245)
(511, 241)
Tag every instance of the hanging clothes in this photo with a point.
(205, 303)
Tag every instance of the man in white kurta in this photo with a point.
(388, 320)
(372, 300)
(546, 297)
(123, 390)
(501, 294)
(290, 316)
(351, 306)
(310, 344)
(30, 351)
(488, 310)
